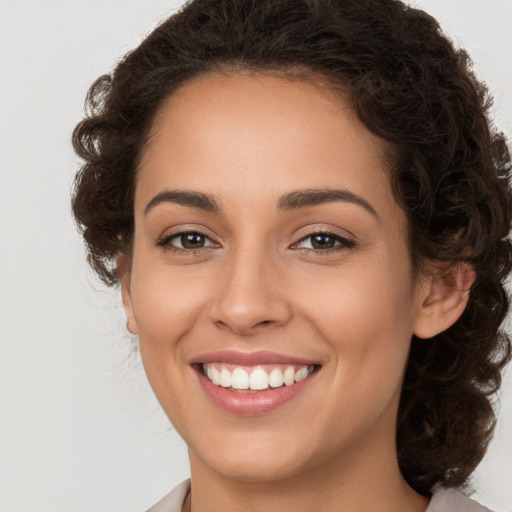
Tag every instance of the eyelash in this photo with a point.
(165, 243)
(343, 243)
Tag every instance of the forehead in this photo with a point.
(260, 134)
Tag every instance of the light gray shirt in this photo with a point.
(443, 500)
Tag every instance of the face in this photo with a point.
(270, 283)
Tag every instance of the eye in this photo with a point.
(187, 240)
(324, 242)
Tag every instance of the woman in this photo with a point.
(307, 211)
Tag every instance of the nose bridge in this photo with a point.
(249, 295)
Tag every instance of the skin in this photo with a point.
(258, 283)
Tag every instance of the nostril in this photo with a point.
(250, 314)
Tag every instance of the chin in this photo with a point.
(256, 461)
(263, 469)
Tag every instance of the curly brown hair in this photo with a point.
(450, 172)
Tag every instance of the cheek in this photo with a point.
(166, 307)
(361, 298)
(366, 316)
(167, 301)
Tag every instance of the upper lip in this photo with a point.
(249, 358)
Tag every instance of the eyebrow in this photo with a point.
(291, 201)
(312, 197)
(188, 198)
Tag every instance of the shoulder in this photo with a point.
(453, 500)
(173, 501)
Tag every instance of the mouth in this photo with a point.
(253, 379)
(253, 384)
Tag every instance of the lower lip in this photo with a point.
(252, 404)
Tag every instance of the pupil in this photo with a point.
(192, 240)
(322, 242)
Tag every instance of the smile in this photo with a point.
(253, 384)
(255, 378)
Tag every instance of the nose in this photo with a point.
(250, 296)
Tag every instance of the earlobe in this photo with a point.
(125, 278)
(444, 300)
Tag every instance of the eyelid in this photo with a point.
(164, 240)
(346, 242)
(209, 242)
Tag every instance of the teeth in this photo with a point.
(275, 379)
(240, 379)
(225, 378)
(215, 375)
(301, 374)
(289, 376)
(257, 379)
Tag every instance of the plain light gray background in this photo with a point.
(79, 428)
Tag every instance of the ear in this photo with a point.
(444, 298)
(124, 272)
